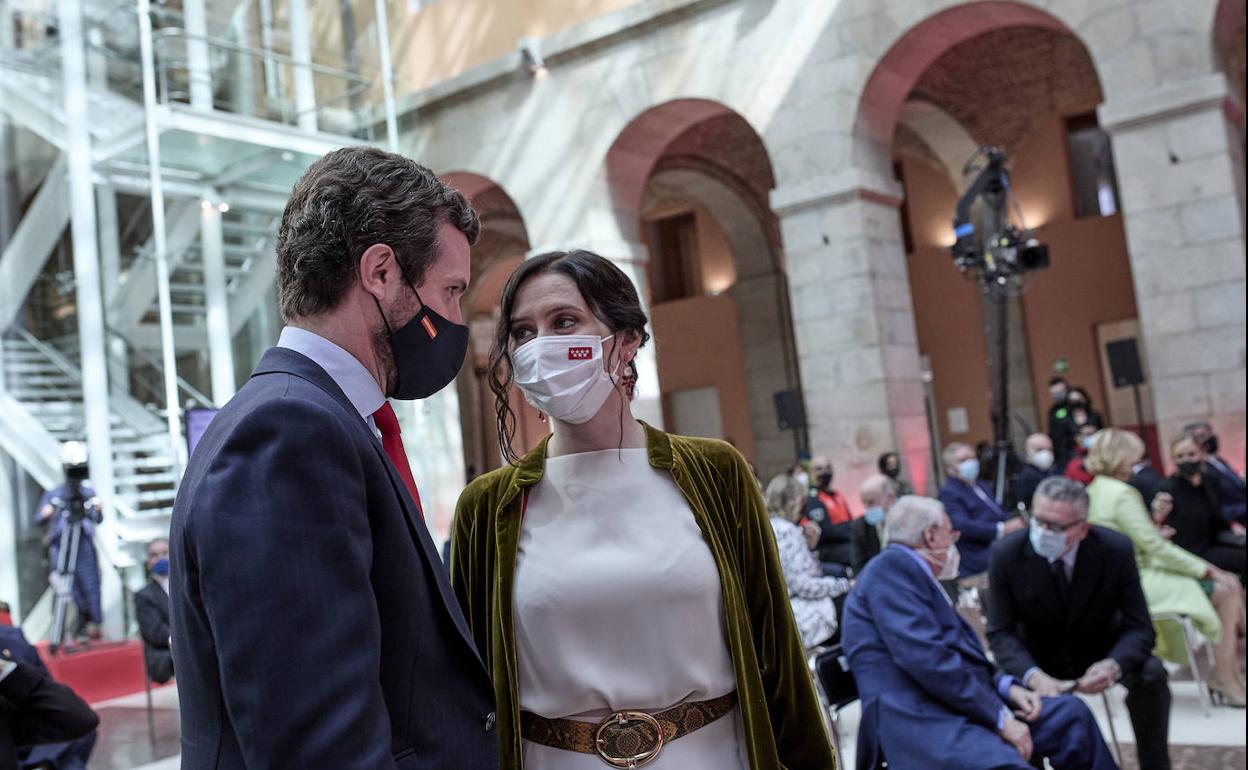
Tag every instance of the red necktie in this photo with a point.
(392, 442)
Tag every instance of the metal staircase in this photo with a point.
(47, 386)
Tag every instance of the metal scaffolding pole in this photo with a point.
(196, 20)
(88, 295)
(217, 303)
(168, 358)
(301, 53)
(387, 75)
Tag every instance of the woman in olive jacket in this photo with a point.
(622, 583)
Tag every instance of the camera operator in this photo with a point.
(55, 514)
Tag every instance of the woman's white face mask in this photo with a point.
(562, 375)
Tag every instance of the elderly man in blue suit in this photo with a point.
(931, 700)
(972, 509)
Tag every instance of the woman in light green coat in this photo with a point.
(1171, 576)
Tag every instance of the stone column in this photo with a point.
(1177, 151)
(854, 324)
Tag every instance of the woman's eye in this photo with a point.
(565, 322)
(520, 334)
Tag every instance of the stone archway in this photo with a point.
(731, 333)
(502, 245)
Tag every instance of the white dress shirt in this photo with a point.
(343, 368)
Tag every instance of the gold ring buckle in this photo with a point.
(625, 720)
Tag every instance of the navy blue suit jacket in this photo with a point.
(313, 623)
(929, 694)
(977, 521)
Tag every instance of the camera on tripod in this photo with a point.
(987, 243)
(76, 467)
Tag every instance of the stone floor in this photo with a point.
(1200, 739)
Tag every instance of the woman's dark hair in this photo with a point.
(882, 462)
(607, 291)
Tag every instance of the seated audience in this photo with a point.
(878, 493)
(1066, 610)
(931, 698)
(890, 465)
(972, 509)
(810, 593)
(1171, 576)
(1230, 484)
(1187, 503)
(830, 510)
(1038, 467)
(151, 605)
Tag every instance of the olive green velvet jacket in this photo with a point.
(783, 728)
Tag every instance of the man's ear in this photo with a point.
(377, 269)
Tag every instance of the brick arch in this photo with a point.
(643, 143)
(503, 231)
(900, 69)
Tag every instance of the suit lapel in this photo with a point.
(1086, 575)
(284, 361)
(1040, 577)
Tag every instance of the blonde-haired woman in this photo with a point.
(1171, 577)
(810, 593)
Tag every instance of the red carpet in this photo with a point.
(99, 672)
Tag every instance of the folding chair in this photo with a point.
(835, 685)
(1179, 643)
(1113, 731)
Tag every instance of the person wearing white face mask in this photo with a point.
(1039, 466)
(973, 510)
(622, 583)
(930, 696)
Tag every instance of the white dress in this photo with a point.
(618, 606)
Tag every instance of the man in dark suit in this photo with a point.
(931, 700)
(1037, 467)
(1230, 485)
(1146, 480)
(972, 509)
(878, 493)
(314, 625)
(151, 606)
(1066, 610)
(43, 722)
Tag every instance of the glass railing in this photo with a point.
(259, 83)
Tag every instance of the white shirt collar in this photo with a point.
(162, 581)
(343, 368)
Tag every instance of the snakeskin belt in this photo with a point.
(627, 739)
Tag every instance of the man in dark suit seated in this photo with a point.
(931, 700)
(314, 625)
(1037, 466)
(1066, 610)
(878, 493)
(972, 509)
(42, 723)
(151, 605)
